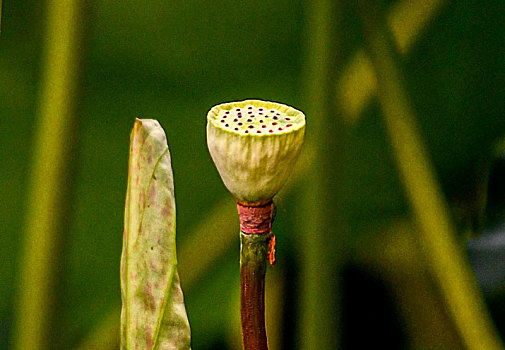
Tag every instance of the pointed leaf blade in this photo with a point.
(153, 314)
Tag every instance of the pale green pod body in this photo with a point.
(153, 314)
(254, 145)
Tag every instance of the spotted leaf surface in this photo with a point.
(153, 314)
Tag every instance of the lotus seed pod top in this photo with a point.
(254, 145)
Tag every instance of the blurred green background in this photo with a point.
(360, 280)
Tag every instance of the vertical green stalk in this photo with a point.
(253, 258)
(320, 289)
(0, 16)
(436, 237)
(48, 184)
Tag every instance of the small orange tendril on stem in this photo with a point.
(271, 252)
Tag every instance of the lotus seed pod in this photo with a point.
(254, 145)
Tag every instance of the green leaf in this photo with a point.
(153, 314)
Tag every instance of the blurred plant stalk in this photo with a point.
(319, 224)
(357, 84)
(49, 183)
(436, 238)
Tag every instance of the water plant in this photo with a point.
(153, 314)
(254, 145)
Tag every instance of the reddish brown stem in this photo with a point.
(253, 257)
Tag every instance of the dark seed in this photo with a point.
(227, 112)
(227, 125)
(251, 126)
(258, 132)
(249, 107)
(289, 125)
(280, 129)
(246, 132)
(261, 121)
(236, 129)
(249, 120)
(270, 131)
(222, 120)
(287, 119)
(274, 123)
(250, 112)
(239, 124)
(235, 120)
(276, 118)
(263, 126)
